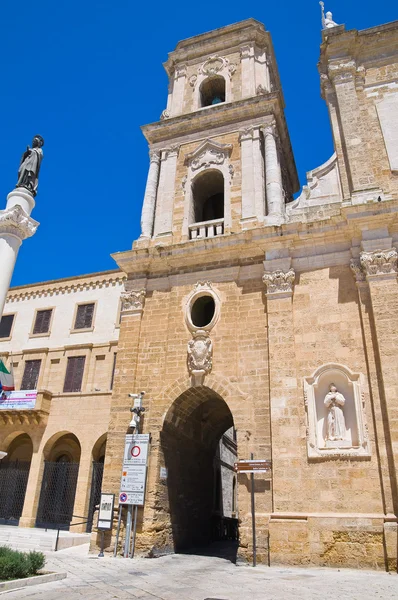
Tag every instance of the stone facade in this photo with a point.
(247, 311)
(287, 318)
(66, 426)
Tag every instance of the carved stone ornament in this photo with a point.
(379, 262)
(165, 115)
(261, 90)
(212, 66)
(200, 356)
(15, 221)
(133, 302)
(334, 403)
(207, 154)
(279, 282)
(357, 271)
(192, 80)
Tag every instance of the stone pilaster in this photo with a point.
(148, 208)
(248, 71)
(180, 78)
(273, 178)
(132, 308)
(166, 192)
(253, 201)
(376, 276)
(285, 423)
(342, 74)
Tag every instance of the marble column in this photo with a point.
(148, 208)
(15, 226)
(273, 178)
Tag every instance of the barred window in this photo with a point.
(31, 375)
(84, 316)
(6, 325)
(74, 374)
(42, 322)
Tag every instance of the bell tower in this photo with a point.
(220, 156)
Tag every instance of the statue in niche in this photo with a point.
(28, 172)
(327, 19)
(334, 402)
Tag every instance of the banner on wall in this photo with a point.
(18, 400)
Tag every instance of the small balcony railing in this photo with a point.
(206, 229)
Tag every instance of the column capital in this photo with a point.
(357, 271)
(269, 128)
(132, 302)
(180, 71)
(246, 51)
(154, 156)
(246, 134)
(16, 222)
(279, 283)
(379, 263)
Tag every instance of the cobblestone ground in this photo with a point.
(201, 578)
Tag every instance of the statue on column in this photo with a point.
(327, 19)
(28, 172)
(334, 402)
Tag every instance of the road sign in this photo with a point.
(136, 449)
(131, 498)
(105, 514)
(133, 481)
(253, 466)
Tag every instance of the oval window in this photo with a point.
(202, 311)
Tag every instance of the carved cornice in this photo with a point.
(132, 301)
(379, 262)
(16, 222)
(279, 282)
(67, 288)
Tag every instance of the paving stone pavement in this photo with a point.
(183, 577)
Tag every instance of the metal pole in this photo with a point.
(128, 530)
(134, 530)
(119, 520)
(101, 554)
(253, 517)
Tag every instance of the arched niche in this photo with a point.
(212, 91)
(336, 423)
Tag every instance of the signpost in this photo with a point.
(105, 516)
(253, 466)
(133, 481)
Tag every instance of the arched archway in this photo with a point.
(190, 440)
(58, 489)
(208, 196)
(14, 473)
(98, 455)
(212, 91)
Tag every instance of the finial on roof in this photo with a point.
(327, 19)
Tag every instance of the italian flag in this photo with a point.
(6, 379)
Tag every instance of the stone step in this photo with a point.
(26, 539)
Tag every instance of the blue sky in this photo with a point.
(86, 74)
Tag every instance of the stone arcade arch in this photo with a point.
(192, 428)
(14, 473)
(61, 467)
(98, 459)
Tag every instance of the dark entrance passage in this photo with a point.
(190, 440)
(14, 473)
